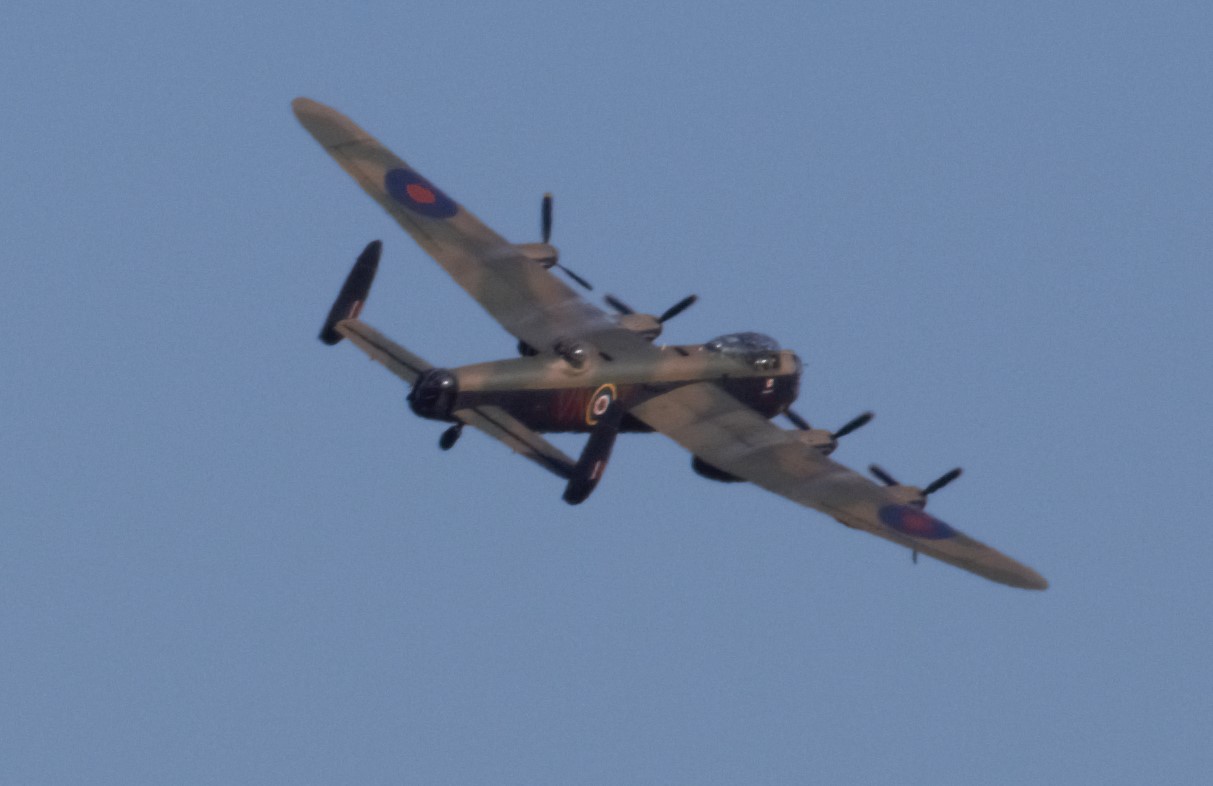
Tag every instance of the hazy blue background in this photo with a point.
(229, 554)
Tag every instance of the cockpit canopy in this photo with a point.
(735, 343)
(756, 349)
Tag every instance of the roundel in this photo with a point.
(916, 523)
(599, 403)
(418, 194)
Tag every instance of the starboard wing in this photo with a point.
(722, 431)
(520, 293)
(493, 421)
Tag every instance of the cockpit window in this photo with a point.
(757, 349)
(742, 342)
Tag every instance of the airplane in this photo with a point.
(582, 369)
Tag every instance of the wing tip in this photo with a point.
(1016, 575)
(302, 104)
(327, 125)
(1035, 581)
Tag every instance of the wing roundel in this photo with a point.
(524, 297)
(418, 194)
(730, 436)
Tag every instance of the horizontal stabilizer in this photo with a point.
(382, 349)
(353, 293)
(505, 428)
(494, 421)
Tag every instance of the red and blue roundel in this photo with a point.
(916, 523)
(418, 194)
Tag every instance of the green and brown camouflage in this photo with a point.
(551, 394)
(583, 369)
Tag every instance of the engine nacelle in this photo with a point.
(433, 396)
(706, 470)
(817, 438)
(544, 253)
(909, 495)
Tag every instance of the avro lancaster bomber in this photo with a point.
(582, 369)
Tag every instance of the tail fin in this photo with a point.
(353, 293)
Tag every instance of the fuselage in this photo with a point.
(549, 394)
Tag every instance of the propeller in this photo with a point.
(619, 305)
(575, 277)
(797, 420)
(546, 225)
(882, 476)
(930, 488)
(678, 308)
(855, 423)
(547, 217)
(666, 316)
(942, 481)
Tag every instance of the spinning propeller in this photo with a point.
(546, 222)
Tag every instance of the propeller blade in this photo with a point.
(618, 305)
(942, 481)
(575, 277)
(882, 476)
(797, 420)
(546, 230)
(678, 308)
(547, 217)
(858, 422)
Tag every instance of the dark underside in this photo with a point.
(572, 409)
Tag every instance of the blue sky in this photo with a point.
(230, 554)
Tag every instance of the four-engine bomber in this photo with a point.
(582, 369)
